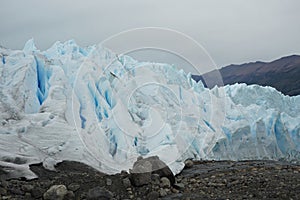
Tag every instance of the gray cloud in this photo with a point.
(232, 31)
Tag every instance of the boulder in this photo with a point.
(141, 173)
(143, 168)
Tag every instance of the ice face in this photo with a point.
(92, 106)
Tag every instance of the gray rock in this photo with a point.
(155, 179)
(56, 192)
(153, 195)
(108, 181)
(27, 195)
(73, 187)
(143, 168)
(27, 188)
(126, 183)
(165, 182)
(70, 195)
(162, 192)
(99, 193)
(124, 173)
(141, 173)
(3, 191)
(189, 164)
(37, 192)
(159, 167)
(174, 190)
(179, 186)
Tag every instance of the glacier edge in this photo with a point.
(89, 105)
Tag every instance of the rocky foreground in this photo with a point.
(199, 180)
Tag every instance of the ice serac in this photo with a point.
(93, 106)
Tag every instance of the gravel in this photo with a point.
(201, 180)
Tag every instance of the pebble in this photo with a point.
(202, 192)
(27, 188)
(162, 192)
(189, 163)
(174, 190)
(165, 182)
(56, 192)
(179, 186)
(73, 187)
(193, 180)
(184, 181)
(282, 183)
(3, 191)
(108, 181)
(27, 195)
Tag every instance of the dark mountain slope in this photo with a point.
(282, 74)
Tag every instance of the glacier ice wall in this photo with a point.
(93, 106)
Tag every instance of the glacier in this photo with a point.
(94, 106)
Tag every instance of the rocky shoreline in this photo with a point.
(199, 180)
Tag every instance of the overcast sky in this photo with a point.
(232, 31)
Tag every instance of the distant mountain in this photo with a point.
(282, 74)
